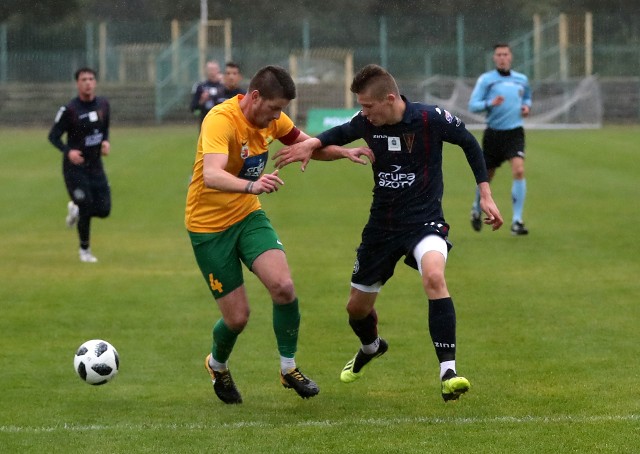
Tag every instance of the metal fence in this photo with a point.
(162, 55)
(454, 45)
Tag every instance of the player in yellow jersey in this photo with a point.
(227, 226)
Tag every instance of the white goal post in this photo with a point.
(214, 40)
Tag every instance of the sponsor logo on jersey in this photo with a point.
(253, 167)
(93, 140)
(396, 179)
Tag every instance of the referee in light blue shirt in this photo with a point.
(506, 97)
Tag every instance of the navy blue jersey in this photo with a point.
(86, 124)
(408, 162)
(228, 93)
(216, 96)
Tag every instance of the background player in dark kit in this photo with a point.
(85, 120)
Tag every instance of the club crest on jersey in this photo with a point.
(244, 151)
(408, 140)
(393, 144)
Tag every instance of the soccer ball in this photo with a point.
(96, 362)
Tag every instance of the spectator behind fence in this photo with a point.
(231, 81)
(206, 93)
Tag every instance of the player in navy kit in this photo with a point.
(206, 94)
(506, 97)
(406, 216)
(85, 120)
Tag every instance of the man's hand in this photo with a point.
(105, 148)
(204, 96)
(354, 155)
(498, 100)
(75, 156)
(269, 182)
(298, 152)
(494, 218)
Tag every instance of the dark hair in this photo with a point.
(376, 79)
(84, 70)
(496, 45)
(231, 64)
(273, 82)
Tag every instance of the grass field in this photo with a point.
(547, 324)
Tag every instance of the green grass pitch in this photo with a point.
(548, 329)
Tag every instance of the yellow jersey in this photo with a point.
(226, 130)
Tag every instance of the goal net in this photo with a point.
(574, 103)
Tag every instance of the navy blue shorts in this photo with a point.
(380, 251)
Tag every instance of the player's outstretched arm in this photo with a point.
(306, 150)
(353, 154)
(298, 152)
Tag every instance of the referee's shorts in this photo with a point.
(500, 146)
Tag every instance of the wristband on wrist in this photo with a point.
(249, 187)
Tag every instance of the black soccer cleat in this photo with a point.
(223, 384)
(518, 228)
(476, 220)
(353, 369)
(296, 380)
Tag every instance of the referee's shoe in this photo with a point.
(518, 228)
(476, 220)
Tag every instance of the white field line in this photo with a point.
(325, 423)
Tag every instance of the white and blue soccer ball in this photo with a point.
(96, 362)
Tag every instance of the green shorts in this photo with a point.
(219, 255)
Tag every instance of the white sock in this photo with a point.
(216, 365)
(445, 366)
(286, 364)
(372, 347)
